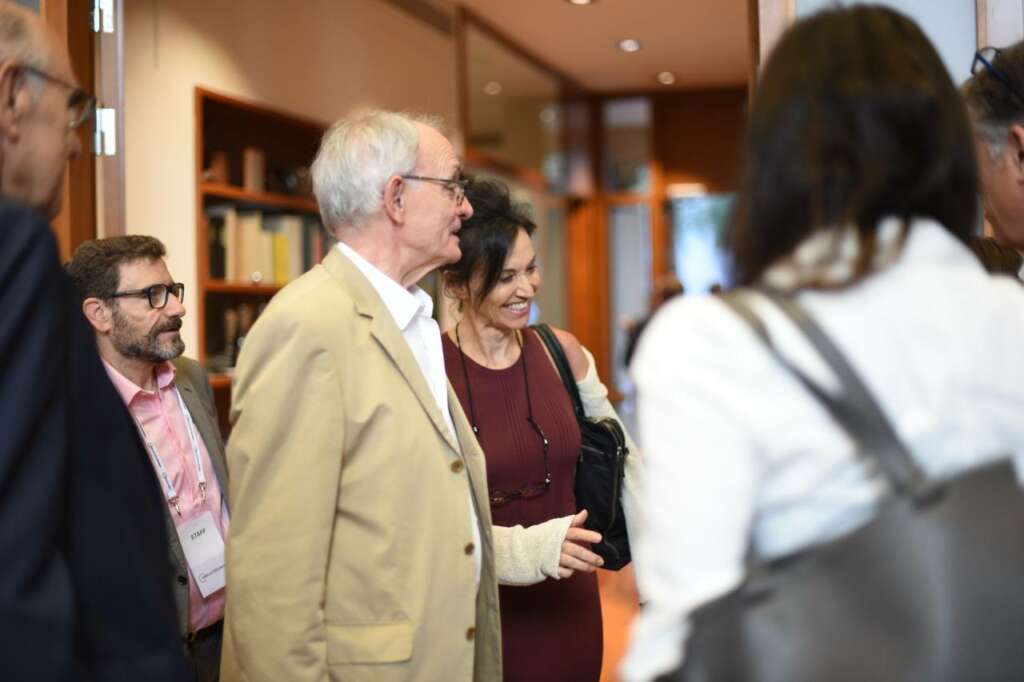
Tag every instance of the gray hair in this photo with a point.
(357, 156)
(994, 105)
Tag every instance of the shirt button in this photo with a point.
(182, 580)
(457, 466)
(469, 548)
(470, 634)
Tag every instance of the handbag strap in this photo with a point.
(554, 346)
(853, 408)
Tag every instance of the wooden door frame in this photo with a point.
(76, 222)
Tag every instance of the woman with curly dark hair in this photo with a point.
(522, 415)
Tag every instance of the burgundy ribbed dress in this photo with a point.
(551, 632)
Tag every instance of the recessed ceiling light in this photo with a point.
(666, 77)
(580, 2)
(629, 45)
(492, 88)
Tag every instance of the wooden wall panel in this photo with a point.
(587, 264)
(698, 136)
(76, 222)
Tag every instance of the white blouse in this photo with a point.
(737, 450)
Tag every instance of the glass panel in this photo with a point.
(549, 241)
(698, 223)
(515, 115)
(627, 145)
(629, 254)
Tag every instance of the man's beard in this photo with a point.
(148, 347)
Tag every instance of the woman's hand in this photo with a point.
(575, 557)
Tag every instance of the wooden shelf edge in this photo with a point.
(222, 287)
(270, 199)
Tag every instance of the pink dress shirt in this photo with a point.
(161, 416)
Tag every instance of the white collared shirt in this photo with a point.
(412, 310)
(736, 449)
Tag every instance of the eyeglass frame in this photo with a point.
(150, 290)
(456, 185)
(997, 73)
(78, 96)
(499, 497)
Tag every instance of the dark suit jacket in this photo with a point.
(84, 572)
(194, 386)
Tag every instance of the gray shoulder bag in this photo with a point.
(930, 590)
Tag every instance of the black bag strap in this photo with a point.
(554, 347)
(854, 408)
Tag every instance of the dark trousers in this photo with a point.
(203, 650)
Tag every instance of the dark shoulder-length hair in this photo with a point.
(855, 118)
(485, 239)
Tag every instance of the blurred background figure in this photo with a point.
(995, 101)
(858, 196)
(523, 417)
(665, 288)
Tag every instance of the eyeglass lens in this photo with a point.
(159, 293)
(499, 497)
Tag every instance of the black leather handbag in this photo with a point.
(600, 469)
(928, 591)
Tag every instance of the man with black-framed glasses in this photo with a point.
(84, 576)
(994, 95)
(135, 309)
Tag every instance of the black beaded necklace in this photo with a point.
(498, 497)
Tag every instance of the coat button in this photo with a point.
(457, 466)
(470, 634)
(182, 580)
(470, 547)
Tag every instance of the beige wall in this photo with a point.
(317, 58)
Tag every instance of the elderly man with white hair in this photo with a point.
(361, 545)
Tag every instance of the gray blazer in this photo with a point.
(194, 386)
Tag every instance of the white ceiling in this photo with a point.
(703, 42)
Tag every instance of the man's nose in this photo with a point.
(465, 209)
(175, 306)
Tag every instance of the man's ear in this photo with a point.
(14, 97)
(99, 314)
(1016, 143)
(394, 199)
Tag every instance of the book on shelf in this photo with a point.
(254, 169)
(268, 249)
(256, 250)
(287, 235)
(223, 226)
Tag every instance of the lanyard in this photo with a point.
(170, 492)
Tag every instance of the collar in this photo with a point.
(828, 257)
(127, 388)
(403, 304)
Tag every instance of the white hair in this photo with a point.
(357, 156)
(995, 135)
(19, 42)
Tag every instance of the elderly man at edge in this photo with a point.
(84, 577)
(995, 101)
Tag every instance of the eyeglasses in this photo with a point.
(499, 497)
(81, 104)
(157, 295)
(985, 59)
(457, 186)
